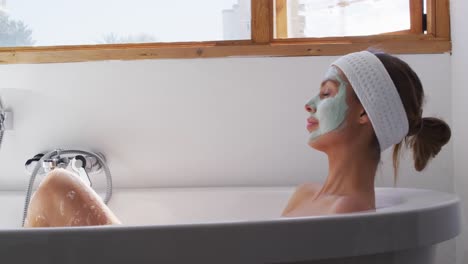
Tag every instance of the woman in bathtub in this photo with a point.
(367, 103)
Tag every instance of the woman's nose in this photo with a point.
(309, 109)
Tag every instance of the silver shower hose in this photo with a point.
(2, 119)
(70, 151)
(1, 138)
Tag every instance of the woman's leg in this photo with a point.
(62, 199)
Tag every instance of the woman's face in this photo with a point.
(328, 110)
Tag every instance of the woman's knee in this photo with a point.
(54, 196)
(64, 200)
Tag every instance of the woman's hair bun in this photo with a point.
(426, 143)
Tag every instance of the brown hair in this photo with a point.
(426, 135)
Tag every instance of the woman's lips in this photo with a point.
(312, 123)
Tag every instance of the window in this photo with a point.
(65, 31)
(91, 22)
(331, 18)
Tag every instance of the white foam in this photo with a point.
(71, 195)
(62, 209)
(40, 219)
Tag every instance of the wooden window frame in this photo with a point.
(262, 44)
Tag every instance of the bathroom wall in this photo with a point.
(208, 122)
(459, 9)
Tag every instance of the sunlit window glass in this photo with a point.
(65, 22)
(325, 18)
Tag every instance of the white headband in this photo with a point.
(378, 95)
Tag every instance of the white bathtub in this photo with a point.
(237, 225)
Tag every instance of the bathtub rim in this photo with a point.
(240, 231)
(453, 201)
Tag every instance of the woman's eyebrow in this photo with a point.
(326, 80)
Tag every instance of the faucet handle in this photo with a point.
(78, 163)
(49, 164)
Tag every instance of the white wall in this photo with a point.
(206, 122)
(459, 9)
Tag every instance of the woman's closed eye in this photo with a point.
(325, 93)
(328, 89)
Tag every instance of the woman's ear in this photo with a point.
(363, 117)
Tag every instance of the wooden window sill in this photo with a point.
(395, 44)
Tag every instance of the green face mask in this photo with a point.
(330, 111)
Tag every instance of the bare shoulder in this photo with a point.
(305, 190)
(308, 188)
(350, 204)
(302, 192)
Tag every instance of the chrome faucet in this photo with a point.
(81, 164)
